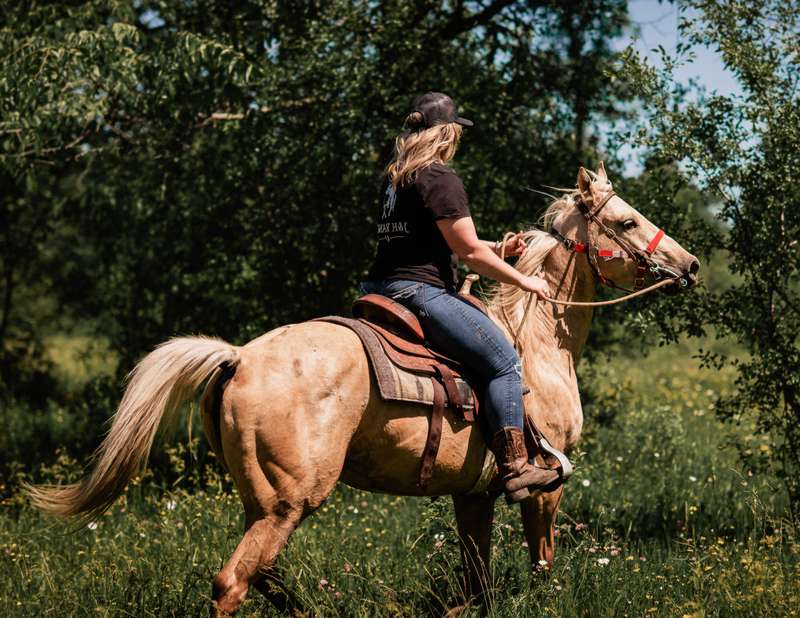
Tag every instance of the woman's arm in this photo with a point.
(461, 237)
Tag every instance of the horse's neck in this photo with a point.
(553, 333)
(565, 327)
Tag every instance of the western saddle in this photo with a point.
(402, 341)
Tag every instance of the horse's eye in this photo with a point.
(629, 224)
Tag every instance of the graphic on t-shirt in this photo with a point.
(390, 229)
(389, 200)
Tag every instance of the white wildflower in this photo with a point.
(586, 482)
(92, 525)
(602, 561)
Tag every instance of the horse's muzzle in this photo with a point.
(686, 280)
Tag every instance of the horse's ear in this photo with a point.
(584, 183)
(601, 172)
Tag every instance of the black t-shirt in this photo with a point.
(410, 245)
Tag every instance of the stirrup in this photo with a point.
(564, 469)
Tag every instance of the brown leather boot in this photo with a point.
(520, 477)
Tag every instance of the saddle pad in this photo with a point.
(395, 384)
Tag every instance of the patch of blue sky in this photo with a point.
(655, 28)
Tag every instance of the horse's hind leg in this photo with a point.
(284, 432)
(251, 561)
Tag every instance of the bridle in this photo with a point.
(644, 261)
(643, 257)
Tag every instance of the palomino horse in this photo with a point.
(295, 410)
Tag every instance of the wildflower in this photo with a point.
(171, 504)
(693, 479)
(614, 552)
(543, 563)
(347, 568)
(524, 543)
(323, 583)
(558, 588)
(586, 482)
(602, 561)
(337, 594)
(92, 525)
(579, 527)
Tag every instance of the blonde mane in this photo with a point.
(506, 297)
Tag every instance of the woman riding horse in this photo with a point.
(424, 227)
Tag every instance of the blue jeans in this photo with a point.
(458, 330)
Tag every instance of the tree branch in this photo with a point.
(459, 23)
(264, 109)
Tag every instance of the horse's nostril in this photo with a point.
(694, 267)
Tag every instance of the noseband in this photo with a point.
(643, 257)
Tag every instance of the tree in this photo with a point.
(213, 166)
(744, 151)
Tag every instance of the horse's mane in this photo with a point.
(540, 243)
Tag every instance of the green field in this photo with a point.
(658, 520)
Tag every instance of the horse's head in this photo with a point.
(623, 246)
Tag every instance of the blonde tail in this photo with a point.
(157, 387)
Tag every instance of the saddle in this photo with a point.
(393, 339)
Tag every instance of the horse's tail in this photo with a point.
(157, 387)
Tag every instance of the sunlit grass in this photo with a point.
(659, 520)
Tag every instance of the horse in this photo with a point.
(296, 410)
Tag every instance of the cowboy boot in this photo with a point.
(520, 477)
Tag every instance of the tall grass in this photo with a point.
(660, 519)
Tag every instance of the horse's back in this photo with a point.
(305, 394)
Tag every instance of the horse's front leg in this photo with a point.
(474, 517)
(538, 519)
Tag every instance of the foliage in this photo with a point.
(206, 167)
(743, 151)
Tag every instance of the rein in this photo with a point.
(592, 251)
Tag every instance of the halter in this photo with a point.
(644, 258)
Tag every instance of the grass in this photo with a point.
(659, 520)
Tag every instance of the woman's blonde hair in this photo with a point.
(418, 147)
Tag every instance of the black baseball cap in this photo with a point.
(438, 108)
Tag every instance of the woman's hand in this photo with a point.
(515, 245)
(537, 285)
